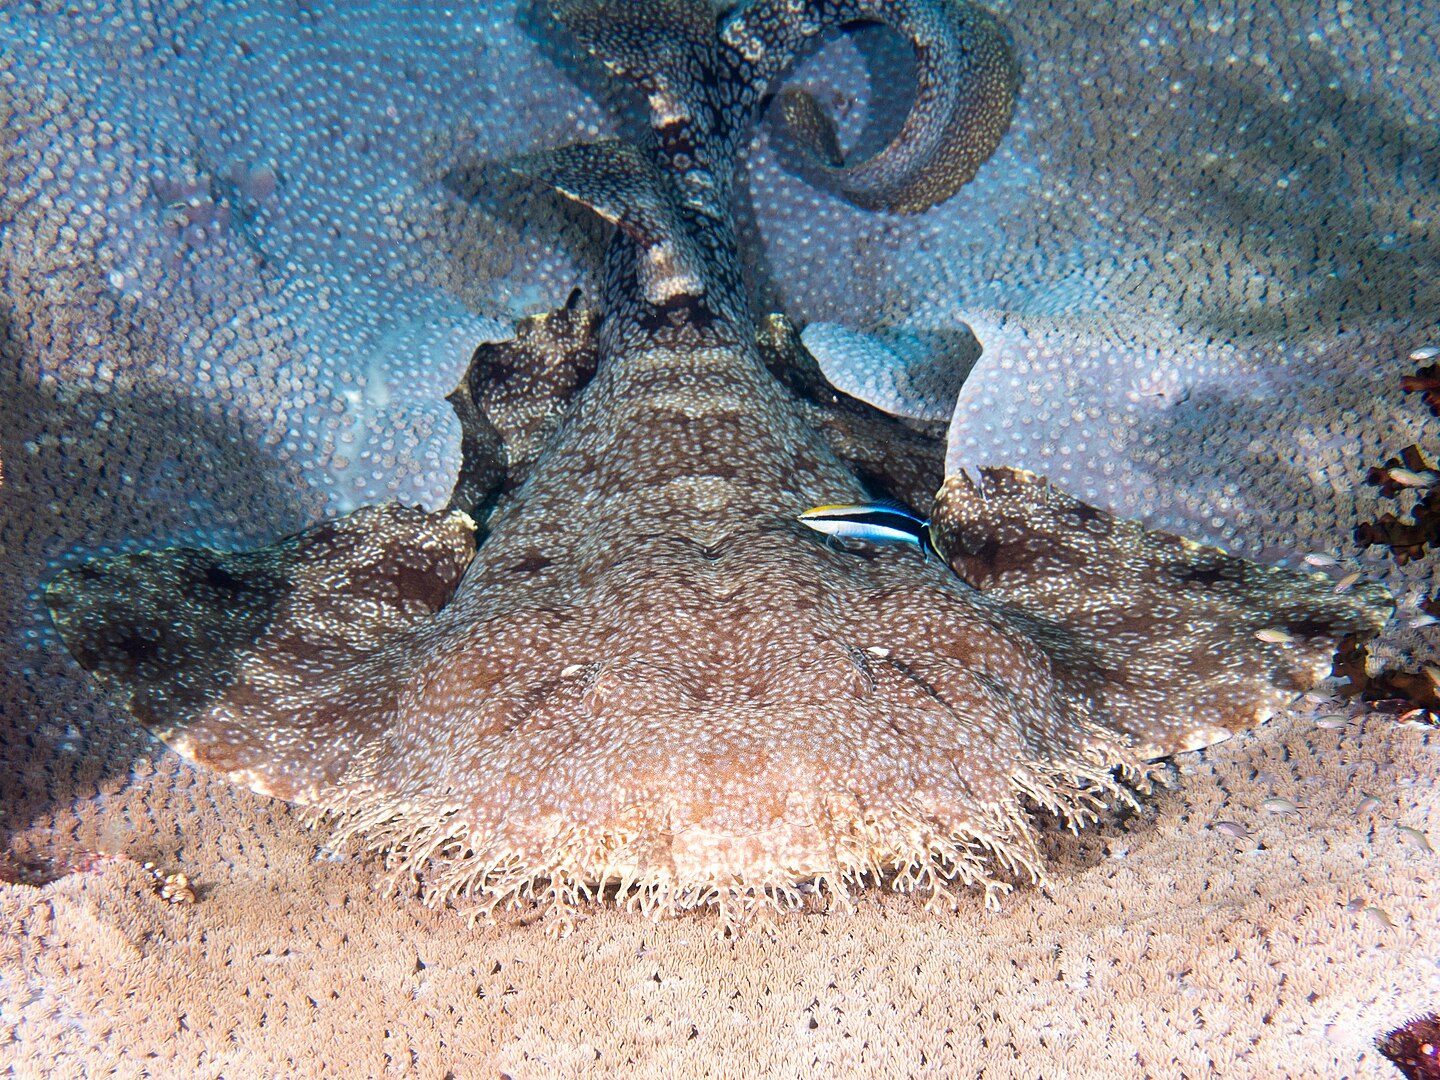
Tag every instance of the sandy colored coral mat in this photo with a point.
(1166, 948)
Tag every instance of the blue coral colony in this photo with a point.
(613, 666)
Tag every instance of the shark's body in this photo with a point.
(649, 677)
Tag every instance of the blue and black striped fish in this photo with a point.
(876, 523)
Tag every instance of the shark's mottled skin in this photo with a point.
(649, 676)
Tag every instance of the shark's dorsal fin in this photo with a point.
(704, 77)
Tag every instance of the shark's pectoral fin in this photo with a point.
(1174, 643)
(272, 666)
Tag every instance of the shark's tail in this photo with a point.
(704, 79)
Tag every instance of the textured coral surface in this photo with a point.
(1166, 947)
(240, 274)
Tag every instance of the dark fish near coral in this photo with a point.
(1414, 1047)
(645, 679)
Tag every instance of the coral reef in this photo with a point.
(1226, 210)
(1164, 947)
(1410, 481)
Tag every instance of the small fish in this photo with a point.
(1319, 558)
(1347, 581)
(1380, 916)
(1332, 721)
(1368, 805)
(1284, 807)
(877, 523)
(1414, 838)
(1274, 635)
(1233, 829)
(1422, 620)
(1426, 352)
(1412, 479)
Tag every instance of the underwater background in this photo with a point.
(248, 248)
